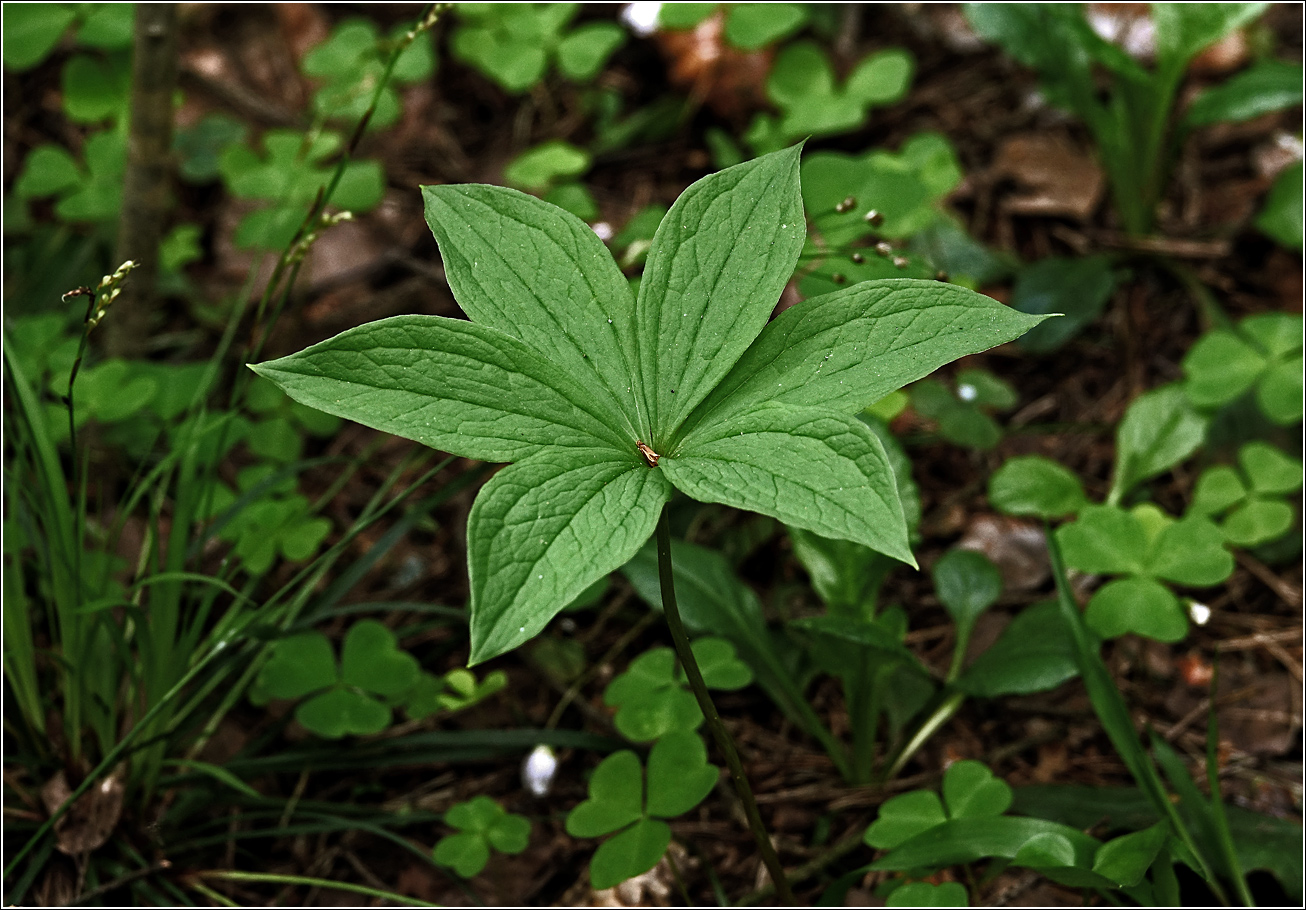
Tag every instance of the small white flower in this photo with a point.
(538, 770)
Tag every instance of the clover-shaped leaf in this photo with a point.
(513, 43)
(971, 791)
(1159, 430)
(352, 61)
(679, 778)
(1148, 546)
(903, 817)
(967, 585)
(1262, 354)
(651, 696)
(607, 401)
(482, 823)
(962, 413)
(1246, 502)
(372, 668)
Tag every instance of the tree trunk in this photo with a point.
(146, 190)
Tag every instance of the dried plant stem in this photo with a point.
(719, 731)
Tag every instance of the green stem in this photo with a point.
(719, 731)
(276, 879)
(941, 715)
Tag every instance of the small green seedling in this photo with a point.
(803, 86)
(513, 44)
(608, 401)
(32, 30)
(1248, 501)
(346, 698)
(288, 176)
(352, 61)
(482, 823)
(622, 801)
(1131, 115)
(1146, 547)
(962, 413)
(1262, 355)
(651, 697)
(457, 690)
(92, 192)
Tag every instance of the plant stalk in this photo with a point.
(719, 732)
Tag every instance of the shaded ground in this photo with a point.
(458, 128)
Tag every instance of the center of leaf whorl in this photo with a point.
(649, 455)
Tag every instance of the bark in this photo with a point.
(147, 187)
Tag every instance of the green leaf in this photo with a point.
(47, 169)
(971, 791)
(733, 236)
(1031, 485)
(510, 833)
(903, 818)
(447, 383)
(108, 26)
(95, 89)
(1217, 489)
(1257, 522)
(1141, 606)
(1125, 860)
(1282, 216)
(1047, 850)
(31, 31)
(679, 776)
(926, 894)
(1159, 430)
(966, 840)
(750, 26)
(1105, 540)
(1269, 470)
(341, 712)
(848, 349)
(720, 665)
(536, 169)
(297, 665)
(616, 797)
(632, 852)
(371, 660)
(1220, 367)
(1268, 85)
(882, 78)
(684, 15)
(582, 53)
(522, 266)
(1078, 289)
(574, 198)
(465, 853)
(1190, 552)
(543, 530)
(804, 466)
(1184, 29)
(1034, 654)
(967, 585)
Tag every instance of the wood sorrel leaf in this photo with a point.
(544, 529)
(809, 467)
(541, 275)
(717, 265)
(447, 383)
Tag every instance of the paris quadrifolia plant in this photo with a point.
(606, 401)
